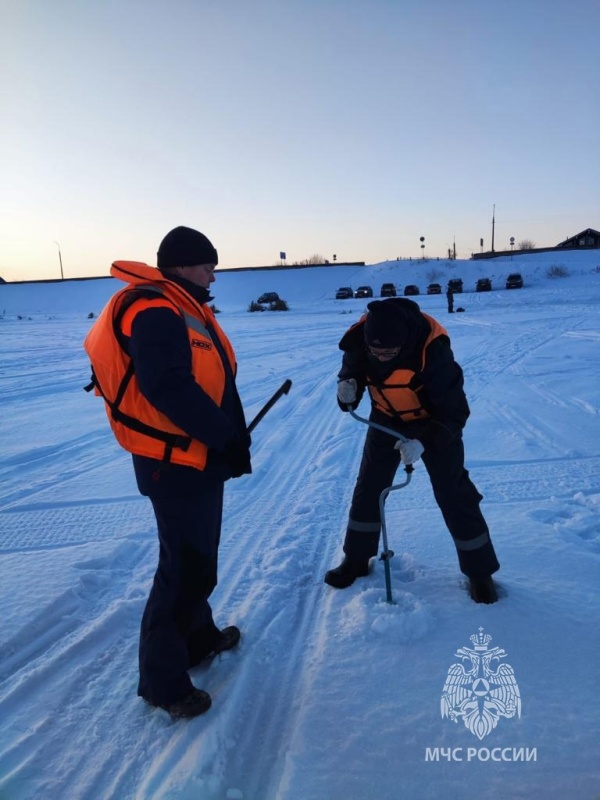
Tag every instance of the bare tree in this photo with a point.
(314, 259)
(526, 244)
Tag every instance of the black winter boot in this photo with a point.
(483, 590)
(225, 639)
(192, 705)
(228, 638)
(348, 571)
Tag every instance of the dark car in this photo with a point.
(388, 290)
(455, 285)
(268, 297)
(363, 291)
(411, 289)
(483, 285)
(345, 293)
(434, 288)
(514, 281)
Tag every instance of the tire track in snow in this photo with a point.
(493, 358)
(98, 581)
(522, 481)
(53, 527)
(79, 658)
(28, 474)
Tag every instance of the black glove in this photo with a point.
(237, 454)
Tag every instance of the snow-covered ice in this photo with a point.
(331, 694)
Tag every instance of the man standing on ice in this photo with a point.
(404, 359)
(166, 371)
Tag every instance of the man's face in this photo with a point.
(200, 274)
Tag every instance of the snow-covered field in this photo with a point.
(331, 694)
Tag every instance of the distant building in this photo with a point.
(587, 238)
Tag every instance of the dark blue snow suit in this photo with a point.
(441, 394)
(177, 628)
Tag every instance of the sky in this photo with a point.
(331, 695)
(346, 127)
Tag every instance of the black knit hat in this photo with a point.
(185, 247)
(386, 324)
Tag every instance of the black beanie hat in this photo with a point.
(185, 247)
(386, 325)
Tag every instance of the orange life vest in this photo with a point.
(138, 426)
(397, 395)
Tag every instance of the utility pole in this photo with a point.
(62, 277)
(493, 225)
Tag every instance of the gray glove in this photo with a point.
(346, 392)
(410, 451)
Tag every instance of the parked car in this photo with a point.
(483, 285)
(411, 289)
(344, 293)
(455, 285)
(514, 281)
(268, 297)
(388, 290)
(434, 288)
(363, 291)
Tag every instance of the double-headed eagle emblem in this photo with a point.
(480, 689)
